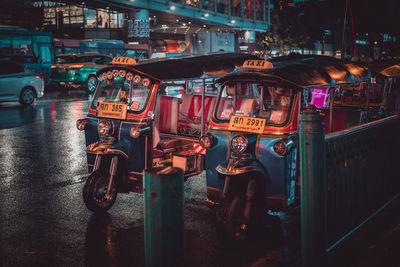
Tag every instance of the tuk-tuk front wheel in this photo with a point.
(236, 226)
(231, 225)
(95, 190)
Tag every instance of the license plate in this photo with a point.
(111, 110)
(246, 124)
(61, 70)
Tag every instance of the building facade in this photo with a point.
(162, 27)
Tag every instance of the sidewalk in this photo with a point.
(376, 244)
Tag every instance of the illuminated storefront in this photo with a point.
(81, 21)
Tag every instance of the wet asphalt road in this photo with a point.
(44, 221)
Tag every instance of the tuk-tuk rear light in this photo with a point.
(104, 128)
(134, 132)
(280, 148)
(76, 66)
(239, 144)
(206, 141)
(82, 124)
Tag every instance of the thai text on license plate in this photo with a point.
(246, 124)
(111, 110)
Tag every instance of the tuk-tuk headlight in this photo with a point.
(283, 147)
(239, 144)
(82, 124)
(134, 132)
(206, 141)
(104, 128)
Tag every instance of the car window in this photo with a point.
(97, 60)
(106, 60)
(45, 54)
(85, 59)
(66, 59)
(101, 60)
(10, 68)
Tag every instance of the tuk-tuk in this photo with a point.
(133, 124)
(252, 143)
(385, 87)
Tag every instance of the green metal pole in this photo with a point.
(312, 187)
(163, 216)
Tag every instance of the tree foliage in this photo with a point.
(293, 26)
(301, 24)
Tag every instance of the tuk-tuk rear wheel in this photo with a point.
(94, 192)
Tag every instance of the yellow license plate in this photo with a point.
(246, 124)
(111, 110)
(61, 70)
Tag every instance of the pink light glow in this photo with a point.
(319, 97)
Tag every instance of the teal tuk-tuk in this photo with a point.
(252, 156)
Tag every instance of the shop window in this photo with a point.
(45, 54)
(76, 14)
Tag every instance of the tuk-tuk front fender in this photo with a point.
(233, 167)
(100, 148)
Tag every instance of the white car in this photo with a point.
(19, 84)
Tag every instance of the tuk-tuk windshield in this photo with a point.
(196, 87)
(123, 91)
(255, 99)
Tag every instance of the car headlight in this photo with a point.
(239, 144)
(82, 124)
(104, 128)
(206, 141)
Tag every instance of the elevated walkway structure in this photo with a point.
(235, 14)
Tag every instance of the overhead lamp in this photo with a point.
(206, 15)
(233, 21)
(172, 7)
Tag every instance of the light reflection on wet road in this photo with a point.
(43, 219)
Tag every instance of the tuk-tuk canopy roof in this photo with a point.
(306, 71)
(189, 67)
(386, 68)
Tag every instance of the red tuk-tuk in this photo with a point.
(385, 86)
(135, 122)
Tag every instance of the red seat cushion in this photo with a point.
(157, 153)
(166, 114)
(190, 111)
(340, 120)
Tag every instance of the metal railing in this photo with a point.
(362, 172)
(346, 178)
